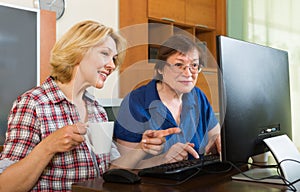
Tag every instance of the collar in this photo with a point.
(55, 94)
(152, 95)
(52, 90)
(188, 99)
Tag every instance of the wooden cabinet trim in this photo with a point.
(47, 41)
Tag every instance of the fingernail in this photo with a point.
(144, 141)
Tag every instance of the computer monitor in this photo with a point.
(254, 97)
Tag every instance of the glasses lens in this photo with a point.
(179, 67)
(194, 68)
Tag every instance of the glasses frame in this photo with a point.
(172, 66)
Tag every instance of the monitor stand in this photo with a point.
(287, 157)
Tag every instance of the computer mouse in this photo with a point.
(119, 175)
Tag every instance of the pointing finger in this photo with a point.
(166, 132)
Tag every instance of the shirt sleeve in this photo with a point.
(114, 153)
(127, 127)
(22, 133)
(5, 163)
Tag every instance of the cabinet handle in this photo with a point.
(209, 72)
(167, 19)
(199, 25)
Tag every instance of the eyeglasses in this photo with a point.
(180, 67)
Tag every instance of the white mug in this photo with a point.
(99, 136)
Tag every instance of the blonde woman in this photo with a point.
(45, 148)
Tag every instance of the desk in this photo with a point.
(212, 182)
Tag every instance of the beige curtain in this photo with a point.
(276, 23)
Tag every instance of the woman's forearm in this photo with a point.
(130, 157)
(133, 158)
(23, 175)
(150, 162)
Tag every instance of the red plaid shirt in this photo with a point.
(35, 115)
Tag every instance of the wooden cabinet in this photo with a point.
(201, 13)
(194, 12)
(148, 23)
(169, 10)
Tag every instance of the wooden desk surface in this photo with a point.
(212, 182)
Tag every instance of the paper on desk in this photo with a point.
(284, 149)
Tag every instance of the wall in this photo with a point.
(236, 26)
(103, 11)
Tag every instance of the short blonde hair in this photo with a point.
(75, 43)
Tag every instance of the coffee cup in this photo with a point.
(99, 136)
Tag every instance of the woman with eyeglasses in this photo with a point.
(171, 99)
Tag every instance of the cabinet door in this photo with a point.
(172, 10)
(201, 13)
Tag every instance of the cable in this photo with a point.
(262, 166)
(252, 178)
(287, 183)
(203, 168)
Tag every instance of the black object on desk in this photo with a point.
(184, 169)
(121, 176)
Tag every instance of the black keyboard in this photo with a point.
(182, 169)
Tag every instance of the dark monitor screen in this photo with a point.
(111, 106)
(18, 57)
(254, 97)
(112, 112)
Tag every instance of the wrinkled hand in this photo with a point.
(66, 138)
(153, 140)
(179, 152)
(214, 145)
